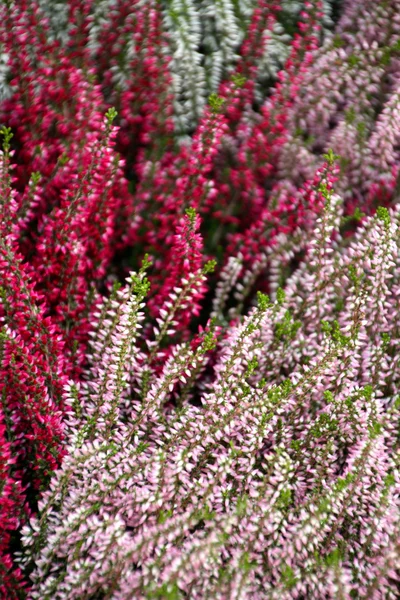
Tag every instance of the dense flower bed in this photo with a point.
(200, 299)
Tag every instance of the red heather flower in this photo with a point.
(33, 370)
(239, 92)
(184, 260)
(75, 243)
(78, 20)
(184, 180)
(259, 143)
(43, 81)
(53, 127)
(146, 104)
(134, 78)
(262, 21)
(33, 367)
(288, 210)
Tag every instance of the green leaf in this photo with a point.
(382, 214)
(111, 115)
(238, 80)
(216, 103)
(263, 301)
(331, 157)
(280, 296)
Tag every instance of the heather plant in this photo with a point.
(199, 257)
(283, 465)
(347, 99)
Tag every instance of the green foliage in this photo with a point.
(209, 267)
(245, 564)
(353, 60)
(280, 296)
(111, 115)
(140, 283)
(343, 482)
(331, 157)
(382, 214)
(168, 591)
(35, 178)
(241, 505)
(263, 301)
(287, 328)
(375, 429)
(324, 424)
(164, 515)
(238, 80)
(350, 115)
(7, 137)
(284, 499)
(338, 41)
(209, 342)
(390, 480)
(333, 331)
(288, 578)
(191, 213)
(251, 367)
(216, 103)
(356, 216)
(334, 558)
(367, 392)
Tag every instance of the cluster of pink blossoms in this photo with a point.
(199, 334)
